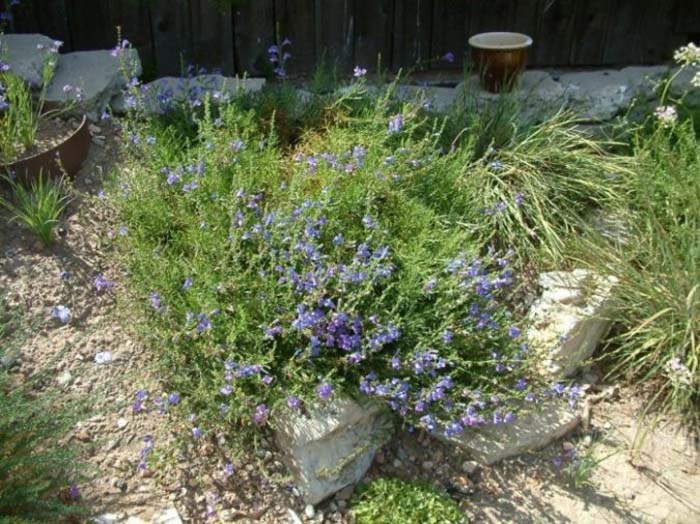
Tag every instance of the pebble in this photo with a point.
(9, 361)
(293, 517)
(103, 357)
(309, 511)
(64, 379)
(396, 463)
(428, 465)
(462, 484)
(470, 467)
(121, 423)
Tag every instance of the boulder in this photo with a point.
(96, 74)
(161, 94)
(535, 427)
(681, 87)
(333, 446)
(435, 97)
(570, 318)
(25, 54)
(537, 96)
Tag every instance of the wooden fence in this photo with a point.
(233, 35)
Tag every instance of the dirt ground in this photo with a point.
(663, 485)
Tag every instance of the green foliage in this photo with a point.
(393, 501)
(20, 114)
(36, 467)
(39, 206)
(233, 241)
(658, 341)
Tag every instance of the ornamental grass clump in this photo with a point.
(274, 279)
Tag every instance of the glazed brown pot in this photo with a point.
(65, 157)
(499, 58)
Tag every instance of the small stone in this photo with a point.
(9, 361)
(122, 423)
(103, 357)
(64, 379)
(95, 130)
(135, 520)
(309, 511)
(167, 516)
(292, 517)
(83, 436)
(397, 463)
(462, 484)
(470, 467)
(428, 465)
(108, 518)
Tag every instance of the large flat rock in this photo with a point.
(164, 93)
(333, 447)
(569, 320)
(96, 73)
(534, 428)
(25, 54)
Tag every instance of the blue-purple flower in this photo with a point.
(61, 313)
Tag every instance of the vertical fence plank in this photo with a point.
(335, 27)
(254, 32)
(171, 30)
(134, 19)
(523, 19)
(592, 22)
(657, 29)
(295, 19)
(90, 24)
(212, 36)
(373, 24)
(554, 29)
(47, 18)
(412, 33)
(450, 31)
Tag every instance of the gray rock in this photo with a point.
(681, 87)
(64, 379)
(438, 98)
(537, 96)
(470, 467)
(10, 361)
(25, 54)
(292, 517)
(570, 318)
(333, 447)
(166, 516)
(597, 95)
(96, 73)
(162, 93)
(309, 511)
(534, 428)
(108, 518)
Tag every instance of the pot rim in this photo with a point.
(481, 41)
(79, 129)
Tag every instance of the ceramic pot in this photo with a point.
(499, 58)
(66, 157)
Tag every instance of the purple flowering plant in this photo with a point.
(320, 274)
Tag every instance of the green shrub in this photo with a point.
(270, 277)
(392, 501)
(39, 206)
(37, 467)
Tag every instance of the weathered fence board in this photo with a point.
(235, 38)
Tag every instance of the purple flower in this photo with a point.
(74, 492)
(513, 332)
(228, 470)
(101, 283)
(293, 402)
(359, 72)
(196, 432)
(173, 398)
(395, 124)
(325, 391)
(61, 313)
(519, 199)
(226, 390)
(187, 283)
(449, 57)
(260, 415)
